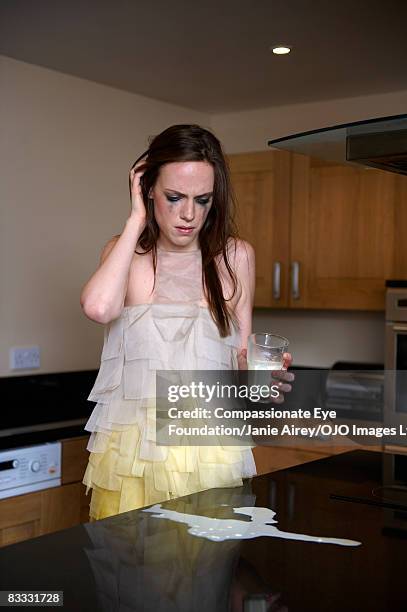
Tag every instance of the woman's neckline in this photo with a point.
(175, 251)
(145, 304)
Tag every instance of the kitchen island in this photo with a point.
(141, 561)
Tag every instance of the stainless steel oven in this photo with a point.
(31, 468)
(396, 356)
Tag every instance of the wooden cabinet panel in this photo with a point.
(84, 504)
(19, 533)
(344, 226)
(20, 509)
(34, 514)
(344, 234)
(60, 508)
(272, 458)
(400, 222)
(74, 459)
(20, 518)
(261, 182)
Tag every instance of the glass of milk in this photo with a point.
(264, 353)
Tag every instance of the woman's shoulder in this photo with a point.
(240, 253)
(110, 244)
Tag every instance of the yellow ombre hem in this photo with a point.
(121, 480)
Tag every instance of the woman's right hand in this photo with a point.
(242, 359)
(138, 209)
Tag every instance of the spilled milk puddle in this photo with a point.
(261, 524)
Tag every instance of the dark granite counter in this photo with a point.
(137, 561)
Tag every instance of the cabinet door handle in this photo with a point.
(276, 280)
(273, 495)
(291, 500)
(295, 280)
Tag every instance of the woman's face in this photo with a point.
(182, 199)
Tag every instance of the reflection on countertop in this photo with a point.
(134, 561)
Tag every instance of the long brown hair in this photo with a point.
(193, 143)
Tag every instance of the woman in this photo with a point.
(175, 291)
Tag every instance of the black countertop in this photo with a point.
(136, 561)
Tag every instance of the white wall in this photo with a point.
(319, 337)
(66, 146)
(250, 130)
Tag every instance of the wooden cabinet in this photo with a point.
(273, 458)
(74, 459)
(34, 514)
(346, 233)
(337, 230)
(20, 518)
(261, 182)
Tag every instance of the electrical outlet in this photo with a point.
(24, 358)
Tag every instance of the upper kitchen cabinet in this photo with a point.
(326, 235)
(261, 182)
(346, 234)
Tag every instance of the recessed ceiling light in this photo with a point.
(281, 49)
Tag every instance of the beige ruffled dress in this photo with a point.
(175, 331)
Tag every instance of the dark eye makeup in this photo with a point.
(175, 198)
(203, 201)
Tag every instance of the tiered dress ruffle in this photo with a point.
(126, 468)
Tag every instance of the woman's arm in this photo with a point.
(245, 268)
(103, 296)
(246, 273)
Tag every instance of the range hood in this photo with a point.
(378, 143)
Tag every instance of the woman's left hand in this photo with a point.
(283, 378)
(242, 359)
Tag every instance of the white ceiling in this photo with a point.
(213, 56)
